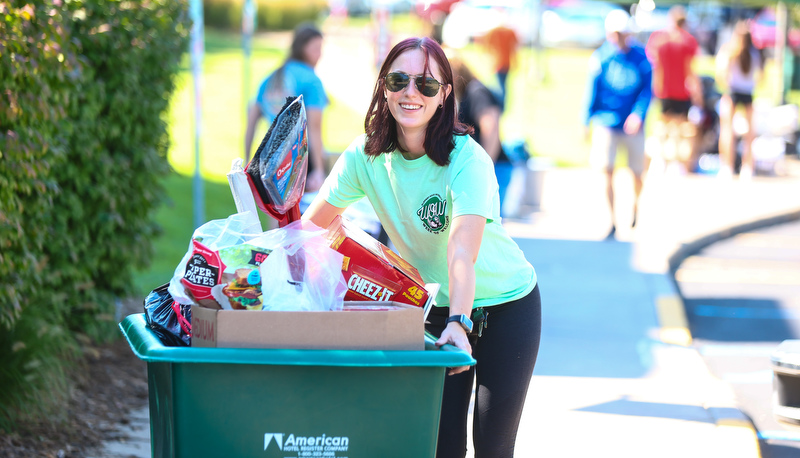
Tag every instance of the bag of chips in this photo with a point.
(215, 249)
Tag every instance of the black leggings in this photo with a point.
(506, 354)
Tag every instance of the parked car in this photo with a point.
(469, 19)
(576, 23)
(762, 29)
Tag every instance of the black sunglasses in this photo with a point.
(427, 86)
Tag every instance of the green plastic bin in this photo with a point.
(227, 402)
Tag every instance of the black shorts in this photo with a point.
(740, 98)
(675, 107)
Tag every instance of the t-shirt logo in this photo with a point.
(622, 78)
(432, 214)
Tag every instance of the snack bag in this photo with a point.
(243, 292)
(203, 266)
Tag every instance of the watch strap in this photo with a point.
(463, 320)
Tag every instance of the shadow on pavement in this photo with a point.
(740, 320)
(597, 310)
(650, 409)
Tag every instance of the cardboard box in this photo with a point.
(372, 271)
(401, 328)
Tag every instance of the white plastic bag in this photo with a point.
(242, 194)
(302, 273)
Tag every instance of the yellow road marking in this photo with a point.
(672, 320)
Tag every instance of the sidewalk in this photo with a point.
(616, 374)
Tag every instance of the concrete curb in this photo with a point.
(688, 249)
(733, 427)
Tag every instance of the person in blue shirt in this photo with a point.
(619, 94)
(295, 77)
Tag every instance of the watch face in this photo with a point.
(466, 322)
(463, 320)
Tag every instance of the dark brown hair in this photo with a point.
(303, 33)
(742, 43)
(381, 127)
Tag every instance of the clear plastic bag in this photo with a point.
(201, 268)
(302, 273)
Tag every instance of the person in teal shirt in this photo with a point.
(434, 191)
(295, 77)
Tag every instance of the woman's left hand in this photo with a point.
(454, 334)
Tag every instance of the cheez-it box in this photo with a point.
(372, 271)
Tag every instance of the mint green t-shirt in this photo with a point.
(416, 201)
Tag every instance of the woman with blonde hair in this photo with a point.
(737, 64)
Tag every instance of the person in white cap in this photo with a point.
(619, 94)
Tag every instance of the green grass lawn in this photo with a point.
(544, 107)
(222, 140)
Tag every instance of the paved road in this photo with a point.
(742, 298)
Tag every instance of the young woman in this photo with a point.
(434, 190)
(295, 77)
(737, 64)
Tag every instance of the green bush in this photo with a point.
(83, 144)
(271, 15)
(37, 77)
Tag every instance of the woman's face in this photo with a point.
(313, 51)
(410, 108)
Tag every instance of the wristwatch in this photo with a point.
(463, 320)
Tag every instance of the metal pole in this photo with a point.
(381, 15)
(781, 22)
(196, 45)
(536, 44)
(248, 28)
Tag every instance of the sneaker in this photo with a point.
(746, 173)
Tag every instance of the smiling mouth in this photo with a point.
(407, 106)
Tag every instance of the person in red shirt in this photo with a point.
(672, 53)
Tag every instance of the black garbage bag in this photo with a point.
(169, 320)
